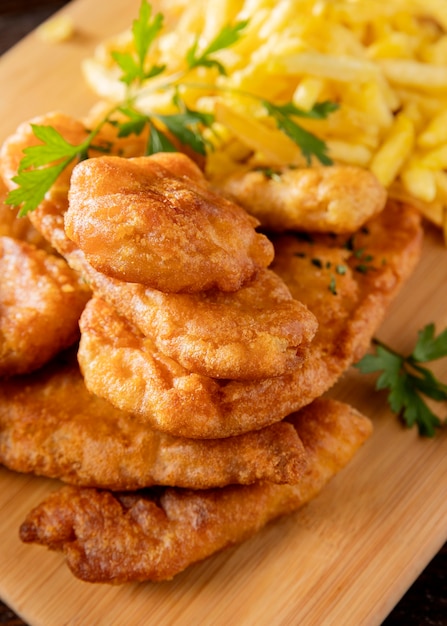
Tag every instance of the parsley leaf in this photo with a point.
(33, 185)
(429, 347)
(134, 124)
(409, 382)
(309, 144)
(158, 141)
(185, 127)
(144, 32)
(41, 166)
(228, 36)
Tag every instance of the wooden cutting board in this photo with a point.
(347, 557)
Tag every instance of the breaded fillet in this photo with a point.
(257, 332)
(50, 425)
(337, 199)
(327, 275)
(41, 300)
(115, 538)
(155, 221)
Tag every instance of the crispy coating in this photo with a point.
(111, 538)
(257, 332)
(41, 300)
(155, 221)
(338, 199)
(123, 366)
(52, 426)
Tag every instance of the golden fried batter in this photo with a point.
(337, 199)
(41, 300)
(50, 425)
(349, 302)
(257, 332)
(116, 538)
(155, 221)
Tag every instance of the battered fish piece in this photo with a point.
(155, 221)
(257, 332)
(115, 538)
(126, 368)
(338, 199)
(52, 426)
(41, 300)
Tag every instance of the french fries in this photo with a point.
(385, 64)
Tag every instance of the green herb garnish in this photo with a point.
(226, 38)
(309, 144)
(408, 382)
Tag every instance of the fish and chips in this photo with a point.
(190, 413)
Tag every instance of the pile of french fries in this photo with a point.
(384, 63)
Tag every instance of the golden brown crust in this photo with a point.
(109, 538)
(50, 425)
(337, 199)
(41, 300)
(257, 332)
(119, 363)
(151, 221)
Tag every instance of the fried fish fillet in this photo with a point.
(348, 300)
(116, 538)
(338, 199)
(155, 221)
(259, 332)
(51, 425)
(41, 300)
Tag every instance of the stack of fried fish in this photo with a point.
(190, 412)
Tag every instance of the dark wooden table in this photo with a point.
(425, 603)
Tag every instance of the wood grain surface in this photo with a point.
(346, 558)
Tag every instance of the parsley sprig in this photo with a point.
(144, 32)
(43, 163)
(310, 144)
(410, 383)
(35, 174)
(228, 36)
